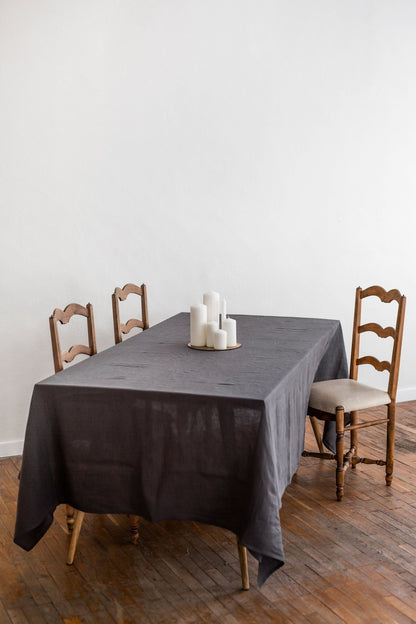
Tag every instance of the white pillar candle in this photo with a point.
(198, 325)
(212, 327)
(229, 325)
(220, 340)
(212, 301)
(223, 311)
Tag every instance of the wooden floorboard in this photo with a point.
(346, 562)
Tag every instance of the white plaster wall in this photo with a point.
(264, 148)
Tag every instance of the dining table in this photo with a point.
(154, 428)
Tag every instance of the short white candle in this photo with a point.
(229, 325)
(198, 325)
(220, 339)
(212, 301)
(212, 327)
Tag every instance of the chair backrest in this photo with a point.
(396, 333)
(121, 294)
(64, 316)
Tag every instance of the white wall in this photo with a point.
(264, 148)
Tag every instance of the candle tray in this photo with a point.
(237, 346)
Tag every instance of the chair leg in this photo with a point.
(391, 414)
(242, 555)
(317, 433)
(74, 537)
(134, 528)
(340, 474)
(70, 517)
(354, 437)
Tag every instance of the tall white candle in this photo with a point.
(198, 325)
(212, 327)
(223, 311)
(223, 308)
(220, 340)
(212, 300)
(229, 325)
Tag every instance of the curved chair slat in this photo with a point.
(64, 316)
(380, 366)
(128, 289)
(381, 293)
(382, 332)
(126, 327)
(75, 350)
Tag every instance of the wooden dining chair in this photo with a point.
(332, 400)
(121, 294)
(60, 357)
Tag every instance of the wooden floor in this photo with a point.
(353, 561)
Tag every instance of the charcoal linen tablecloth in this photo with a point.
(154, 428)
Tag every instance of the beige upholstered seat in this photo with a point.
(331, 400)
(352, 395)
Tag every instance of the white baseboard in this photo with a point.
(9, 449)
(406, 394)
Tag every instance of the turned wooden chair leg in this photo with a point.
(317, 433)
(354, 436)
(391, 414)
(70, 517)
(134, 528)
(340, 452)
(242, 555)
(74, 537)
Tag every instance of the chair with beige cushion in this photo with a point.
(60, 357)
(332, 400)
